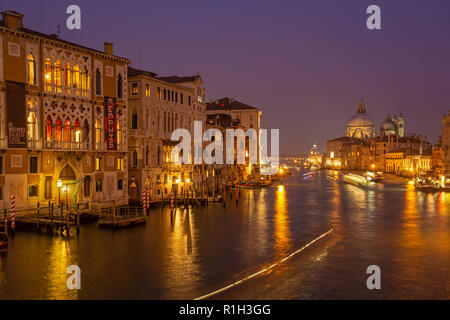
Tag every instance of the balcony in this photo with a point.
(34, 144)
(66, 145)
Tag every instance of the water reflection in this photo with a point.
(281, 227)
(182, 269)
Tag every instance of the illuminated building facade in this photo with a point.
(158, 106)
(62, 118)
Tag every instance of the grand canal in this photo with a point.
(405, 233)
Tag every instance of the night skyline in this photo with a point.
(313, 62)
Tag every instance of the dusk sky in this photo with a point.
(306, 64)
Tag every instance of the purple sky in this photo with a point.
(305, 63)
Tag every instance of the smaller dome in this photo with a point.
(388, 126)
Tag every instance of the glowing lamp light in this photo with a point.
(177, 181)
(188, 180)
(59, 183)
(411, 182)
(64, 188)
(280, 188)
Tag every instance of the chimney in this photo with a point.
(12, 19)
(108, 48)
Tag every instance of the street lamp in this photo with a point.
(59, 184)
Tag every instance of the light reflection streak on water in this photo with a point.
(282, 232)
(56, 276)
(182, 272)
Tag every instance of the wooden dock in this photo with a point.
(121, 217)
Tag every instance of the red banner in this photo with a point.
(110, 123)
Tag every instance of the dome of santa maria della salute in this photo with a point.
(361, 126)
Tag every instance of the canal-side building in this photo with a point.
(158, 106)
(244, 115)
(63, 119)
(446, 143)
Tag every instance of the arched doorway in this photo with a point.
(133, 192)
(67, 186)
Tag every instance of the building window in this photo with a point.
(1, 165)
(176, 97)
(120, 164)
(98, 132)
(87, 186)
(76, 78)
(181, 98)
(134, 89)
(189, 100)
(134, 120)
(77, 131)
(173, 96)
(98, 82)
(48, 129)
(147, 156)
(158, 92)
(120, 184)
(98, 185)
(98, 164)
(57, 76)
(68, 78)
(119, 133)
(48, 187)
(135, 159)
(33, 190)
(147, 90)
(119, 86)
(67, 130)
(33, 164)
(48, 75)
(31, 69)
(165, 94)
(85, 83)
(32, 127)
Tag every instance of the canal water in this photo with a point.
(405, 233)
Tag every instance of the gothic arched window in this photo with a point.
(31, 61)
(119, 86)
(98, 82)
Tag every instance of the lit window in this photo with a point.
(98, 164)
(67, 130)
(98, 130)
(68, 78)
(119, 133)
(58, 130)
(134, 89)
(120, 164)
(77, 131)
(48, 131)
(48, 75)
(76, 78)
(147, 90)
(57, 76)
(31, 69)
(32, 127)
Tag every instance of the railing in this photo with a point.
(66, 145)
(3, 143)
(34, 144)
